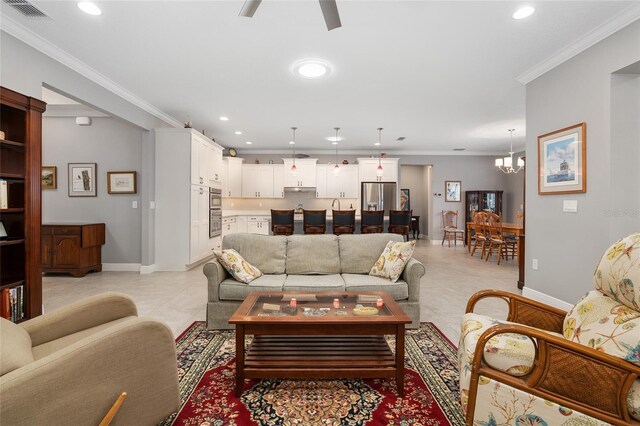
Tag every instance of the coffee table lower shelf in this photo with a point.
(319, 357)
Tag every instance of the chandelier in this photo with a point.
(294, 169)
(336, 168)
(505, 165)
(379, 171)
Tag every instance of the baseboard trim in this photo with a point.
(545, 298)
(148, 269)
(121, 267)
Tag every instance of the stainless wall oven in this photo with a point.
(215, 212)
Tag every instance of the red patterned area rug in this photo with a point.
(206, 368)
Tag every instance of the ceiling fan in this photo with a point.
(329, 11)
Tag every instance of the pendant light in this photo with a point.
(505, 164)
(336, 168)
(379, 170)
(294, 169)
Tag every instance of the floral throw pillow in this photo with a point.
(393, 259)
(239, 268)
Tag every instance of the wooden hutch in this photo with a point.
(489, 201)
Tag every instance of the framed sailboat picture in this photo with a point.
(562, 161)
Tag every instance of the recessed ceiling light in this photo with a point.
(523, 12)
(238, 132)
(89, 8)
(223, 118)
(334, 143)
(292, 143)
(312, 68)
(248, 142)
(334, 138)
(377, 144)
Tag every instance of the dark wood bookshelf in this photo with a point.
(20, 164)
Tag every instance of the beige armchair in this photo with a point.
(544, 366)
(69, 366)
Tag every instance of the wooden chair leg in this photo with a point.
(499, 253)
(489, 251)
(444, 235)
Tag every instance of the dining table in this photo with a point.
(508, 228)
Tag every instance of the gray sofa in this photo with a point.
(309, 263)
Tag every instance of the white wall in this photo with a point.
(115, 146)
(412, 177)
(569, 245)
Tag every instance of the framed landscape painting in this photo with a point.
(49, 177)
(562, 161)
(452, 191)
(121, 182)
(82, 180)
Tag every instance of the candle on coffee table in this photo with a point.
(292, 303)
(379, 303)
(336, 303)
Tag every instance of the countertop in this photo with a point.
(297, 216)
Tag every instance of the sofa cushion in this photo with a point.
(359, 282)
(600, 322)
(231, 289)
(358, 252)
(15, 349)
(314, 283)
(265, 252)
(393, 259)
(618, 273)
(237, 266)
(313, 254)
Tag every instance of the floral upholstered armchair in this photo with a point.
(547, 367)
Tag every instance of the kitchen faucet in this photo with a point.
(334, 202)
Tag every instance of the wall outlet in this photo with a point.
(134, 204)
(570, 206)
(152, 205)
(534, 264)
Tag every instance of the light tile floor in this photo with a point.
(179, 298)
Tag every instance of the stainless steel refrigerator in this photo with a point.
(379, 196)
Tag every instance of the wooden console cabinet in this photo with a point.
(72, 248)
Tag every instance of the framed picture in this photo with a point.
(82, 180)
(452, 191)
(121, 182)
(405, 200)
(562, 161)
(49, 177)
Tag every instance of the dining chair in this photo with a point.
(450, 226)
(371, 221)
(400, 222)
(496, 237)
(480, 232)
(344, 221)
(314, 221)
(282, 222)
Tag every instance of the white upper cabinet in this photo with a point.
(257, 181)
(369, 169)
(232, 179)
(206, 161)
(216, 167)
(343, 184)
(305, 175)
(278, 181)
(321, 181)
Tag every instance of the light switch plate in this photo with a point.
(134, 204)
(570, 206)
(152, 205)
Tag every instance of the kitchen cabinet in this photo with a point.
(257, 181)
(258, 225)
(72, 248)
(344, 184)
(368, 168)
(187, 165)
(241, 224)
(229, 226)
(305, 175)
(321, 181)
(200, 244)
(278, 181)
(232, 177)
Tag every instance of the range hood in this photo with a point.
(300, 189)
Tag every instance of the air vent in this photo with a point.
(401, 138)
(27, 9)
(459, 149)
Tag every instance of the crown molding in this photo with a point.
(22, 33)
(365, 153)
(604, 30)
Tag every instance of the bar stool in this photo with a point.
(314, 221)
(400, 222)
(344, 221)
(371, 221)
(282, 222)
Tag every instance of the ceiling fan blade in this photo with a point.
(330, 13)
(249, 8)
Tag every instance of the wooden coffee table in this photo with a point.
(293, 344)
